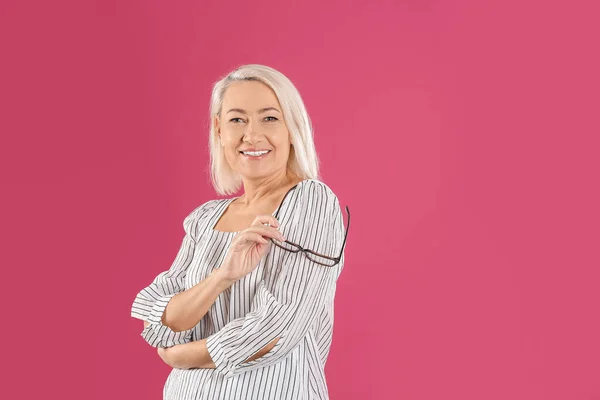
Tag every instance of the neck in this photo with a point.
(259, 189)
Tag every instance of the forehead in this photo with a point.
(249, 95)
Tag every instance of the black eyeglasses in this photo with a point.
(318, 258)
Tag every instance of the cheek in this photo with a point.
(283, 152)
(229, 141)
(280, 138)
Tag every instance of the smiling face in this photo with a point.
(254, 136)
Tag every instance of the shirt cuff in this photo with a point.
(217, 354)
(158, 309)
(159, 335)
(224, 366)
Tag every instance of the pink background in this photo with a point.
(462, 134)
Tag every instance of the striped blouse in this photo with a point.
(286, 296)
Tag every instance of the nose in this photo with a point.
(252, 132)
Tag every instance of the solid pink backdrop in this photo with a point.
(462, 134)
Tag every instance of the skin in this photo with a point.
(251, 118)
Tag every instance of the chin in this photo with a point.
(257, 174)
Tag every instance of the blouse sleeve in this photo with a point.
(150, 303)
(301, 289)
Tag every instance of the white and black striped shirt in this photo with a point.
(286, 296)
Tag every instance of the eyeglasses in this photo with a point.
(318, 258)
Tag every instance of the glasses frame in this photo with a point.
(308, 251)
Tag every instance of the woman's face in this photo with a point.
(251, 121)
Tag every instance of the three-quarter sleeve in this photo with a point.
(302, 288)
(150, 303)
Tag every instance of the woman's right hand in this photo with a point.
(248, 247)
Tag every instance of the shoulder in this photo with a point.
(316, 197)
(203, 209)
(312, 189)
(314, 214)
(192, 221)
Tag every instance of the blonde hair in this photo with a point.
(303, 160)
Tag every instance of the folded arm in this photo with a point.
(186, 309)
(159, 304)
(195, 355)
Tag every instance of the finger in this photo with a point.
(249, 236)
(268, 220)
(267, 231)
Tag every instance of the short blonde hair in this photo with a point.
(303, 160)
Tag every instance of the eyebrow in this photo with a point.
(262, 110)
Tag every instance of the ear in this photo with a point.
(217, 125)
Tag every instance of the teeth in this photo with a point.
(255, 153)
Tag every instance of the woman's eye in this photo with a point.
(269, 119)
(235, 120)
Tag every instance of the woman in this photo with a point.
(246, 309)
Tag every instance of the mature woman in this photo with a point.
(246, 309)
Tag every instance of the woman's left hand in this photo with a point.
(185, 356)
(178, 356)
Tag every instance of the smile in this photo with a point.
(255, 155)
